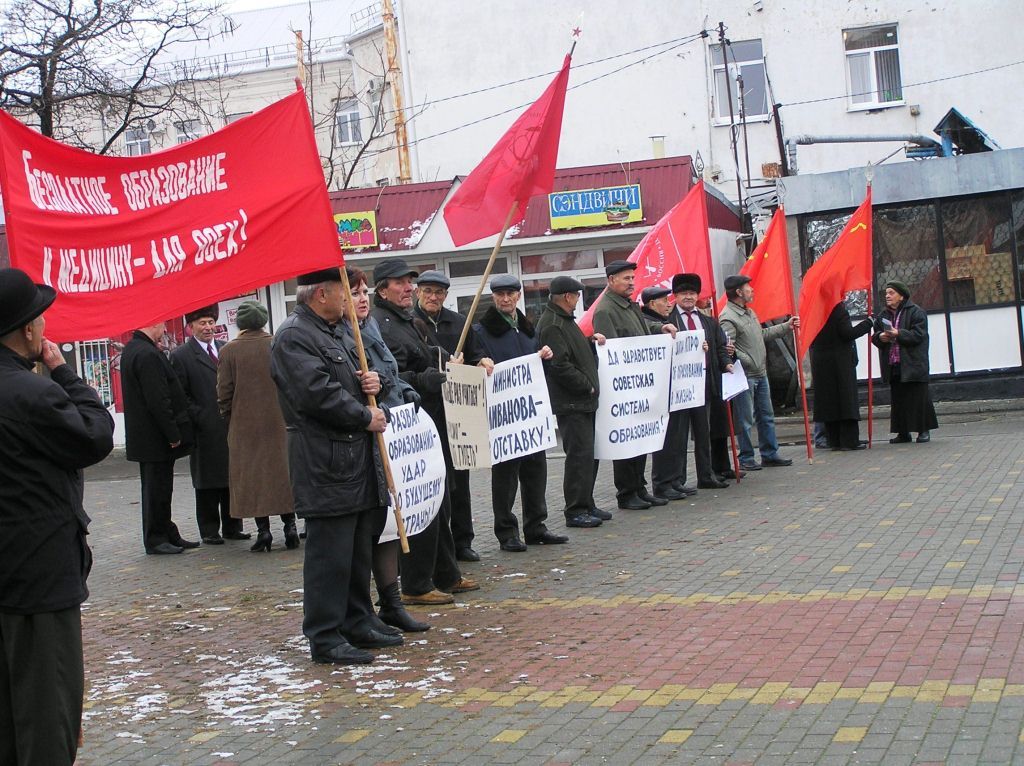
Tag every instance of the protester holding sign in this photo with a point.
(572, 380)
(505, 333)
(617, 316)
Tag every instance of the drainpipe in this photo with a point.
(910, 138)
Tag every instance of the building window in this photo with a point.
(746, 66)
(137, 141)
(346, 118)
(873, 66)
(187, 130)
(979, 250)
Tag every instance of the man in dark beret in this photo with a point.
(195, 363)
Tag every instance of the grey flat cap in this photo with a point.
(434, 277)
(505, 282)
(649, 294)
(563, 284)
(392, 268)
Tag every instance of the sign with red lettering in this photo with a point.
(130, 241)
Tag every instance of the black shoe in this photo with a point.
(182, 543)
(343, 654)
(670, 493)
(513, 545)
(634, 503)
(291, 536)
(215, 540)
(547, 537)
(901, 439)
(466, 554)
(392, 611)
(600, 513)
(860, 445)
(263, 541)
(712, 484)
(750, 466)
(237, 536)
(924, 437)
(583, 521)
(776, 462)
(375, 639)
(165, 549)
(647, 497)
(728, 473)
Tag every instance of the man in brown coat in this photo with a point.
(257, 451)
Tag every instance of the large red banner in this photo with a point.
(130, 241)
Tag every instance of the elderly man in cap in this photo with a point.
(617, 316)
(430, 571)
(572, 380)
(745, 331)
(446, 325)
(337, 480)
(196, 362)
(505, 333)
(50, 429)
(656, 306)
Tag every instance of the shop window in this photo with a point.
(476, 267)
(873, 66)
(535, 297)
(743, 65)
(906, 248)
(573, 260)
(978, 245)
(1017, 202)
(617, 254)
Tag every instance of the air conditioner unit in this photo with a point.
(374, 84)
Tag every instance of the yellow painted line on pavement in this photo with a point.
(675, 736)
(203, 736)
(510, 735)
(353, 736)
(850, 734)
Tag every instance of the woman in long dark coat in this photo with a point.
(834, 371)
(901, 335)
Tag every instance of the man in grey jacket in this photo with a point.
(745, 331)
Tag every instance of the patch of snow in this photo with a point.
(259, 691)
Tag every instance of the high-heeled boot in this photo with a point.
(263, 541)
(392, 611)
(291, 536)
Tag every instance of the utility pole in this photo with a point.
(723, 42)
(394, 76)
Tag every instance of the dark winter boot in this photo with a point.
(393, 612)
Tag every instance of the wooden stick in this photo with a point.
(483, 280)
(803, 394)
(381, 445)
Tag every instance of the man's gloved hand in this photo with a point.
(433, 380)
(411, 397)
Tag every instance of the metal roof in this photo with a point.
(403, 212)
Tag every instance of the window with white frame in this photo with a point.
(873, 66)
(743, 65)
(346, 119)
(187, 130)
(136, 141)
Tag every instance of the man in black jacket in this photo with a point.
(50, 429)
(571, 374)
(195, 362)
(158, 430)
(337, 480)
(430, 571)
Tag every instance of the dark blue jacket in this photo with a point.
(500, 341)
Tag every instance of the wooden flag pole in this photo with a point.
(353, 321)
(483, 279)
(803, 395)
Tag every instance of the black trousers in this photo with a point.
(577, 429)
(213, 512)
(629, 476)
(529, 475)
(157, 487)
(462, 508)
(842, 433)
(263, 522)
(668, 465)
(41, 686)
(336, 578)
(720, 458)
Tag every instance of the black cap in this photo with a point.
(392, 268)
(898, 286)
(615, 267)
(212, 311)
(434, 277)
(317, 277)
(21, 300)
(649, 294)
(563, 284)
(505, 282)
(686, 283)
(735, 281)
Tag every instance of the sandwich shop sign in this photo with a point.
(595, 207)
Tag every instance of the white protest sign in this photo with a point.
(465, 414)
(687, 389)
(519, 409)
(632, 411)
(734, 383)
(417, 465)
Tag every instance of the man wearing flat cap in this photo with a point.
(337, 479)
(505, 333)
(755, 404)
(571, 375)
(617, 316)
(655, 303)
(446, 325)
(195, 363)
(50, 429)
(430, 571)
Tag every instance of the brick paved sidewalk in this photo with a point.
(867, 608)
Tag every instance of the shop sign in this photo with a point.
(356, 229)
(595, 207)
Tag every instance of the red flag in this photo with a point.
(521, 165)
(677, 243)
(769, 272)
(130, 241)
(844, 267)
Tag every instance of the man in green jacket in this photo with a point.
(617, 316)
(745, 331)
(571, 374)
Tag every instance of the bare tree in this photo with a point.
(64, 62)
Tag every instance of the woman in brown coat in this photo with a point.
(257, 453)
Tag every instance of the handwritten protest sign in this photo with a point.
(499, 417)
(632, 411)
(687, 388)
(417, 464)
